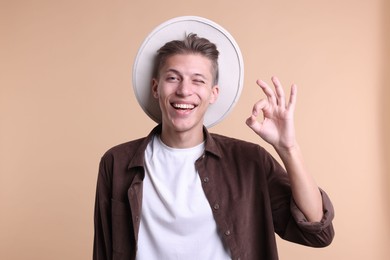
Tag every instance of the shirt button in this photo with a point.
(216, 206)
(227, 232)
(206, 179)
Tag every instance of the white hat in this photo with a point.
(231, 66)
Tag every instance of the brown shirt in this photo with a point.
(248, 192)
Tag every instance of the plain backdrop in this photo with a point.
(66, 97)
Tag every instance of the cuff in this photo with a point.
(314, 227)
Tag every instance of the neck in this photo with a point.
(182, 139)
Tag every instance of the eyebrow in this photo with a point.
(172, 70)
(177, 72)
(200, 75)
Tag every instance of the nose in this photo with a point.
(184, 88)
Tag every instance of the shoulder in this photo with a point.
(131, 148)
(126, 147)
(125, 154)
(234, 143)
(237, 148)
(117, 161)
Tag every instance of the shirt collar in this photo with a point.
(210, 145)
(139, 154)
(138, 159)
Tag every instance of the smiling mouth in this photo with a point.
(183, 106)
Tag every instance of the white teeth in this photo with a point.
(183, 106)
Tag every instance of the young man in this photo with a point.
(184, 193)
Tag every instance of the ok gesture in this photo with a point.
(277, 126)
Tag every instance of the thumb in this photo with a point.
(250, 120)
(253, 123)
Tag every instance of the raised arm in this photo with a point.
(277, 128)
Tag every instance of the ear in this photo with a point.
(214, 94)
(155, 87)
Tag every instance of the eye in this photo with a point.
(199, 81)
(172, 78)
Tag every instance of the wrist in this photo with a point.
(289, 149)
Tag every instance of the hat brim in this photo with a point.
(231, 66)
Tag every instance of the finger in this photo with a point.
(260, 105)
(250, 121)
(253, 121)
(279, 92)
(293, 97)
(267, 91)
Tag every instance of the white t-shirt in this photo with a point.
(177, 221)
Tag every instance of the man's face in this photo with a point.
(185, 89)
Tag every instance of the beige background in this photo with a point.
(66, 97)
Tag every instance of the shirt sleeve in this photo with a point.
(102, 246)
(314, 234)
(314, 227)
